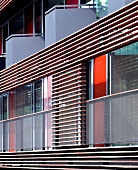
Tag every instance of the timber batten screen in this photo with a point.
(109, 33)
(69, 110)
(4, 3)
(63, 68)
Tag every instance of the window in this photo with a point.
(38, 16)
(16, 24)
(38, 96)
(24, 100)
(97, 77)
(124, 69)
(3, 107)
(5, 35)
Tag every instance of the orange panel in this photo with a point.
(99, 91)
(100, 76)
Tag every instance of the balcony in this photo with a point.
(25, 133)
(113, 120)
(64, 20)
(20, 46)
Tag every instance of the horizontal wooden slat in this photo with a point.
(4, 3)
(66, 133)
(65, 61)
(110, 26)
(68, 101)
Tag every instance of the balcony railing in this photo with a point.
(100, 10)
(70, 6)
(113, 120)
(24, 35)
(3, 55)
(25, 133)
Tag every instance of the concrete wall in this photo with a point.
(114, 5)
(18, 48)
(63, 22)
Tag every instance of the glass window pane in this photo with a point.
(16, 24)
(38, 16)
(12, 104)
(5, 107)
(24, 100)
(5, 136)
(39, 131)
(38, 96)
(1, 113)
(5, 35)
(27, 133)
(28, 15)
(124, 70)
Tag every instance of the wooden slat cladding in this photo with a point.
(4, 3)
(64, 61)
(107, 34)
(69, 109)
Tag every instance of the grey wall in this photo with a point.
(114, 5)
(18, 48)
(63, 22)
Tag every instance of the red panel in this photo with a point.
(99, 91)
(100, 76)
(29, 20)
(71, 2)
(12, 104)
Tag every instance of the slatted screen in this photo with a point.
(68, 98)
(64, 61)
(4, 3)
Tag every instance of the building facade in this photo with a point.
(75, 85)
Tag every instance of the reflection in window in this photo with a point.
(38, 96)
(16, 24)
(55, 2)
(38, 16)
(28, 20)
(24, 100)
(5, 35)
(3, 107)
(101, 7)
(124, 68)
(5, 111)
